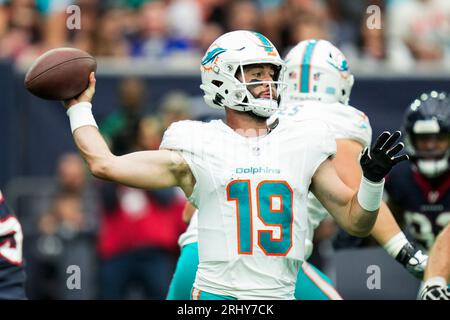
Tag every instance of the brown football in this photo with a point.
(60, 74)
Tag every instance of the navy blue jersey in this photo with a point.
(12, 276)
(425, 204)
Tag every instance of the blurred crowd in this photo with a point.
(124, 240)
(400, 32)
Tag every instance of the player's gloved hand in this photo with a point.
(377, 163)
(435, 289)
(413, 260)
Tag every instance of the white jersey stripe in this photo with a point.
(324, 286)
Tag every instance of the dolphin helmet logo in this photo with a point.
(268, 47)
(211, 55)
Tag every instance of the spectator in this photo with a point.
(21, 28)
(242, 15)
(62, 214)
(175, 106)
(108, 37)
(208, 34)
(373, 43)
(308, 27)
(152, 38)
(119, 127)
(65, 239)
(184, 23)
(418, 30)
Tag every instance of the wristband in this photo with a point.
(80, 115)
(435, 281)
(395, 244)
(370, 194)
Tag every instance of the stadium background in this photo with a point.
(160, 44)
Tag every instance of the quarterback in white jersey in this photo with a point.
(249, 180)
(246, 184)
(319, 87)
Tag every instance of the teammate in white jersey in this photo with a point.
(319, 87)
(250, 181)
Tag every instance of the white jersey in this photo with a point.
(345, 122)
(252, 221)
(190, 235)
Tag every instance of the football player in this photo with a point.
(419, 192)
(319, 87)
(250, 181)
(12, 275)
(437, 274)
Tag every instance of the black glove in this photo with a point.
(413, 260)
(377, 163)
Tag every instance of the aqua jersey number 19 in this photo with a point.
(274, 202)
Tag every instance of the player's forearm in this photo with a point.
(439, 258)
(93, 149)
(88, 139)
(385, 227)
(361, 221)
(365, 206)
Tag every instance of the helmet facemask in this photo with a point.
(435, 161)
(262, 97)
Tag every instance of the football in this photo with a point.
(60, 74)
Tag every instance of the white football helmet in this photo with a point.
(317, 70)
(222, 62)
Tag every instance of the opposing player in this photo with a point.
(419, 192)
(248, 180)
(437, 274)
(12, 275)
(319, 87)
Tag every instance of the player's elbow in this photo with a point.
(361, 226)
(360, 232)
(101, 168)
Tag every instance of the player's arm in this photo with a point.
(386, 229)
(145, 169)
(437, 274)
(356, 212)
(439, 258)
(349, 170)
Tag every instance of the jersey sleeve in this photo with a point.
(328, 142)
(353, 124)
(179, 136)
(184, 137)
(323, 144)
